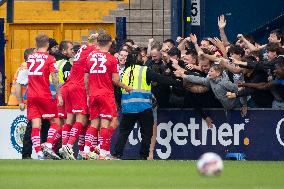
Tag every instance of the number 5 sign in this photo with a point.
(195, 12)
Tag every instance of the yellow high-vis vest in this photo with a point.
(60, 64)
(140, 98)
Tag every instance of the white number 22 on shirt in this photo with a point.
(34, 63)
(98, 60)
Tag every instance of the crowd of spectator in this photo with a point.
(215, 72)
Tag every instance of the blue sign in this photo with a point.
(184, 135)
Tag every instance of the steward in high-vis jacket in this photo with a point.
(136, 106)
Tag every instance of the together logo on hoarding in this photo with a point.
(194, 134)
(260, 135)
(17, 132)
(181, 134)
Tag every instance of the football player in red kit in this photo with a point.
(40, 102)
(101, 74)
(75, 98)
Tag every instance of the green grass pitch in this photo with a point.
(33, 174)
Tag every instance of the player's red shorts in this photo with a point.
(102, 106)
(62, 109)
(76, 99)
(42, 108)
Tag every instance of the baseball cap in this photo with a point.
(52, 43)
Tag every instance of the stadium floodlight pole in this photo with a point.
(10, 11)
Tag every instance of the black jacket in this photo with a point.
(262, 98)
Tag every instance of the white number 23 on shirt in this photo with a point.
(101, 60)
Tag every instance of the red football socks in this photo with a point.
(110, 133)
(104, 138)
(35, 136)
(91, 136)
(57, 139)
(52, 132)
(74, 133)
(81, 141)
(58, 135)
(66, 133)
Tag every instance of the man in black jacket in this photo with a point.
(277, 85)
(160, 91)
(271, 66)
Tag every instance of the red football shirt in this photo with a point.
(101, 66)
(79, 65)
(40, 65)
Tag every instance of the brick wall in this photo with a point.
(145, 19)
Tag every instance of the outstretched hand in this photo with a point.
(240, 36)
(128, 89)
(151, 41)
(238, 62)
(222, 21)
(218, 43)
(179, 39)
(193, 38)
(22, 106)
(231, 95)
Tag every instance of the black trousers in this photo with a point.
(27, 141)
(146, 121)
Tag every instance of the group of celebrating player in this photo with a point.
(88, 94)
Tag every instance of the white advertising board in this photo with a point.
(13, 123)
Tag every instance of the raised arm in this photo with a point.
(232, 68)
(220, 45)
(249, 44)
(197, 80)
(159, 78)
(222, 24)
(193, 39)
(258, 65)
(259, 86)
(181, 43)
(193, 79)
(212, 58)
(149, 47)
